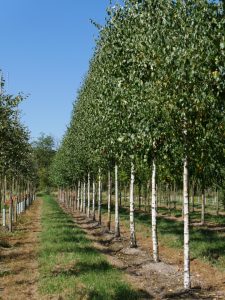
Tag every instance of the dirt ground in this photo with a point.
(163, 280)
(18, 258)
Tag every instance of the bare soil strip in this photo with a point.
(163, 280)
(18, 257)
(19, 264)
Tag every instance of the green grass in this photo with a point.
(195, 216)
(205, 244)
(70, 266)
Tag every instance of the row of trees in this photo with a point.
(17, 166)
(153, 99)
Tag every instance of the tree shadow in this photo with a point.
(195, 293)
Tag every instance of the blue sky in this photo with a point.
(45, 47)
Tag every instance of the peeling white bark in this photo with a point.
(203, 207)
(93, 200)
(99, 198)
(109, 200)
(84, 197)
(133, 242)
(3, 217)
(187, 280)
(78, 195)
(154, 215)
(81, 197)
(117, 225)
(88, 208)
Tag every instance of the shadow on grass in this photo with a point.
(68, 256)
(83, 267)
(121, 292)
(205, 243)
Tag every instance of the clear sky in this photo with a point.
(45, 47)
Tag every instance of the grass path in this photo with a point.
(70, 267)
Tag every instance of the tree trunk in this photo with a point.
(84, 197)
(169, 198)
(203, 207)
(117, 226)
(93, 201)
(187, 280)
(88, 208)
(4, 203)
(75, 197)
(109, 201)
(78, 195)
(99, 199)
(11, 212)
(133, 242)
(81, 197)
(154, 215)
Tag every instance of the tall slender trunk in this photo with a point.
(78, 195)
(169, 198)
(75, 197)
(154, 215)
(88, 208)
(81, 196)
(84, 196)
(93, 200)
(99, 198)
(187, 280)
(16, 200)
(203, 207)
(109, 201)
(0, 192)
(4, 202)
(11, 211)
(117, 225)
(133, 242)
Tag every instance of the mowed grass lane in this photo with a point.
(70, 267)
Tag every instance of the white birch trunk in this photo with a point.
(109, 200)
(117, 226)
(203, 207)
(88, 208)
(93, 200)
(99, 198)
(154, 215)
(11, 212)
(3, 217)
(4, 203)
(133, 242)
(187, 279)
(84, 197)
(81, 197)
(78, 195)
